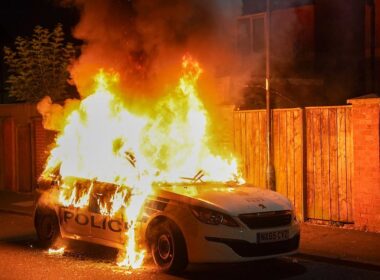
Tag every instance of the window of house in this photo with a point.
(250, 34)
(244, 36)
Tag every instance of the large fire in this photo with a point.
(102, 140)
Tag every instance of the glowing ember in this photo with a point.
(59, 251)
(102, 140)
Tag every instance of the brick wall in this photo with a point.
(42, 139)
(366, 183)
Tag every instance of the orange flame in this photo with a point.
(104, 141)
(59, 251)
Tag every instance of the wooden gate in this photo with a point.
(23, 151)
(287, 146)
(8, 178)
(15, 156)
(329, 163)
(24, 158)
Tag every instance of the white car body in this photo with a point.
(263, 222)
(220, 243)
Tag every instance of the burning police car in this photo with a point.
(180, 223)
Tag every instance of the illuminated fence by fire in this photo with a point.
(321, 157)
(312, 155)
(23, 144)
(250, 144)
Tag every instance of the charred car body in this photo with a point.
(180, 223)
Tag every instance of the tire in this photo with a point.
(168, 248)
(47, 227)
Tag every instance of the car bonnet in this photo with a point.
(234, 200)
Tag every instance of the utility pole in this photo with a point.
(373, 45)
(271, 180)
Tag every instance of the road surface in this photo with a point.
(21, 258)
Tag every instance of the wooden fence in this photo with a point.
(23, 145)
(329, 163)
(312, 157)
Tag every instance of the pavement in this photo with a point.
(321, 242)
(17, 203)
(340, 244)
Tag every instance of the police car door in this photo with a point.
(103, 225)
(75, 221)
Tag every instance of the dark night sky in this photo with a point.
(19, 17)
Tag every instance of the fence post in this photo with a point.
(304, 167)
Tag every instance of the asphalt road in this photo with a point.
(21, 258)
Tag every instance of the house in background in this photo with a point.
(323, 52)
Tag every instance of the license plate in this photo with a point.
(272, 236)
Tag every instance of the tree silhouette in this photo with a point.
(38, 65)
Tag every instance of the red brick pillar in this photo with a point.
(366, 150)
(42, 139)
(39, 147)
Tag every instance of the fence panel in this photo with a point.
(7, 155)
(287, 147)
(24, 158)
(250, 145)
(329, 163)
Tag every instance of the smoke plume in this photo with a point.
(144, 40)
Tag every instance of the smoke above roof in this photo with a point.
(144, 40)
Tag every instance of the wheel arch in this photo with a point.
(156, 221)
(176, 261)
(43, 210)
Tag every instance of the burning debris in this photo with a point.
(59, 251)
(103, 145)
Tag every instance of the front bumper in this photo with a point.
(223, 244)
(244, 248)
(227, 248)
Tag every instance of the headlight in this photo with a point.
(212, 217)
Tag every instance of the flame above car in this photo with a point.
(101, 139)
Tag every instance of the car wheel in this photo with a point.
(47, 228)
(169, 248)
